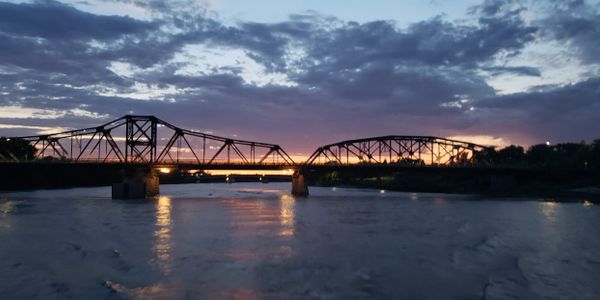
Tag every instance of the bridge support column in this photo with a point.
(136, 184)
(299, 186)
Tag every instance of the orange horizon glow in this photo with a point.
(250, 172)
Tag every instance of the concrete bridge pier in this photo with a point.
(136, 184)
(299, 186)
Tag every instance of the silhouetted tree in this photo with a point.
(566, 155)
(487, 156)
(511, 155)
(16, 149)
(593, 157)
(462, 159)
(539, 155)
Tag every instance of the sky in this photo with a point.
(306, 73)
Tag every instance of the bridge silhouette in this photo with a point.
(147, 142)
(150, 140)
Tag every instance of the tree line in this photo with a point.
(566, 155)
(16, 149)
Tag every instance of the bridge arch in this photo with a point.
(396, 149)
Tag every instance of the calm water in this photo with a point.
(252, 241)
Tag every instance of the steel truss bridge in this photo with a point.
(148, 140)
(403, 150)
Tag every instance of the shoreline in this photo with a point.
(577, 195)
(574, 195)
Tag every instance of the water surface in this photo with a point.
(253, 241)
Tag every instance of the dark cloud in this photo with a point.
(559, 112)
(577, 24)
(55, 21)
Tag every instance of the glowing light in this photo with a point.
(547, 143)
(587, 203)
(287, 215)
(162, 246)
(549, 209)
(249, 172)
(382, 191)
(164, 170)
(414, 197)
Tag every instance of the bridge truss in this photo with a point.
(150, 140)
(406, 150)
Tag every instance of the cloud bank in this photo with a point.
(310, 80)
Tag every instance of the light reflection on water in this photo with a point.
(163, 245)
(549, 210)
(287, 215)
(6, 207)
(256, 220)
(414, 197)
(342, 244)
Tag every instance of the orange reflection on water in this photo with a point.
(549, 210)
(254, 219)
(250, 217)
(241, 255)
(245, 294)
(162, 246)
(155, 291)
(287, 215)
(286, 251)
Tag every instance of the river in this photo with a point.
(253, 241)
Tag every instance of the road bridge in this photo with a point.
(137, 145)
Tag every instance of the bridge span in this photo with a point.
(136, 145)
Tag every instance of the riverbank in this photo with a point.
(560, 186)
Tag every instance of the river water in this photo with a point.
(253, 241)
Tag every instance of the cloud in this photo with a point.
(554, 112)
(524, 71)
(51, 20)
(576, 23)
(310, 80)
